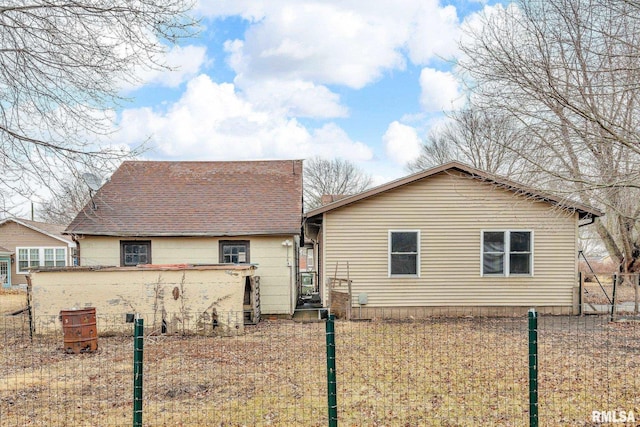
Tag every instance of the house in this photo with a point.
(26, 244)
(157, 212)
(452, 239)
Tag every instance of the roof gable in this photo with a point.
(154, 198)
(583, 211)
(52, 230)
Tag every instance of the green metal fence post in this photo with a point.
(138, 350)
(332, 393)
(533, 368)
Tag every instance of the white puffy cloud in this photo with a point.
(184, 62)
(213, 121)
(308, 46)
(350, 43)
(295, 98)
(440, 91)
(402, 143)
(434, 34)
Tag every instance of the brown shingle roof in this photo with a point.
(152, 198)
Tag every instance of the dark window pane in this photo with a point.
(404, 264)
(493, 241)
(404, 242)
(520, 264)
(136, 253)
(520, 241)
(493, 264)
(235, 254)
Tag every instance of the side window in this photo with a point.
(520, 252)
(135, 252)
(507, 253)
(234, 252)
(493, 253)
(404, 253)
(40, 257)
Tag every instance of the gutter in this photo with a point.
(591, 219)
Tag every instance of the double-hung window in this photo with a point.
(404, 253)
(40, 257)
(507, 253)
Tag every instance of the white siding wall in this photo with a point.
(276, 284)
(450, 212)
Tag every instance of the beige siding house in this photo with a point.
(452, 237)
(161, 213)
(26, 244)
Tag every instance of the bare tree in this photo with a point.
(568, 72)
(63, 64)
(485, 139)
(72, 196)
(331, 177)
(436, 150)
(71, 193)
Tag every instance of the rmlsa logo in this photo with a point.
(613, 417)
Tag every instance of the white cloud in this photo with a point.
(337, 42)
(440, 91)
(213, 121)
(331, 141)
(434, 34)
(184, 62)
(295, 98)
(402, 143)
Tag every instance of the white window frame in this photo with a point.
(507, 252)
(41, 257)
(389, 253)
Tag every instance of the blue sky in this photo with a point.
(276, 79)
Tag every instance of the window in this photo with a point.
(54, 257)
(135, 252)
(40, 257)
(404, 249)
(234, 252)
(507, 253)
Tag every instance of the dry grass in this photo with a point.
(594, 292)
(437, 372)
(12, 300)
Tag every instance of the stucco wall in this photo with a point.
(189, 299)
(277, 280)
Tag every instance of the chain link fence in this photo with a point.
(431, 371)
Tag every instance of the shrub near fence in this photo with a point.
(437, 371)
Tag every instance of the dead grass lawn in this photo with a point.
(12, 300)
(437, 372)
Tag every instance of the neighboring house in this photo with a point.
(25, 244)
(245, 212)
(455, 237)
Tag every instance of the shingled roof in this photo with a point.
(155, 198)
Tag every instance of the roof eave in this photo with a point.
(39, 230)
(184, 234)
(583, 210)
